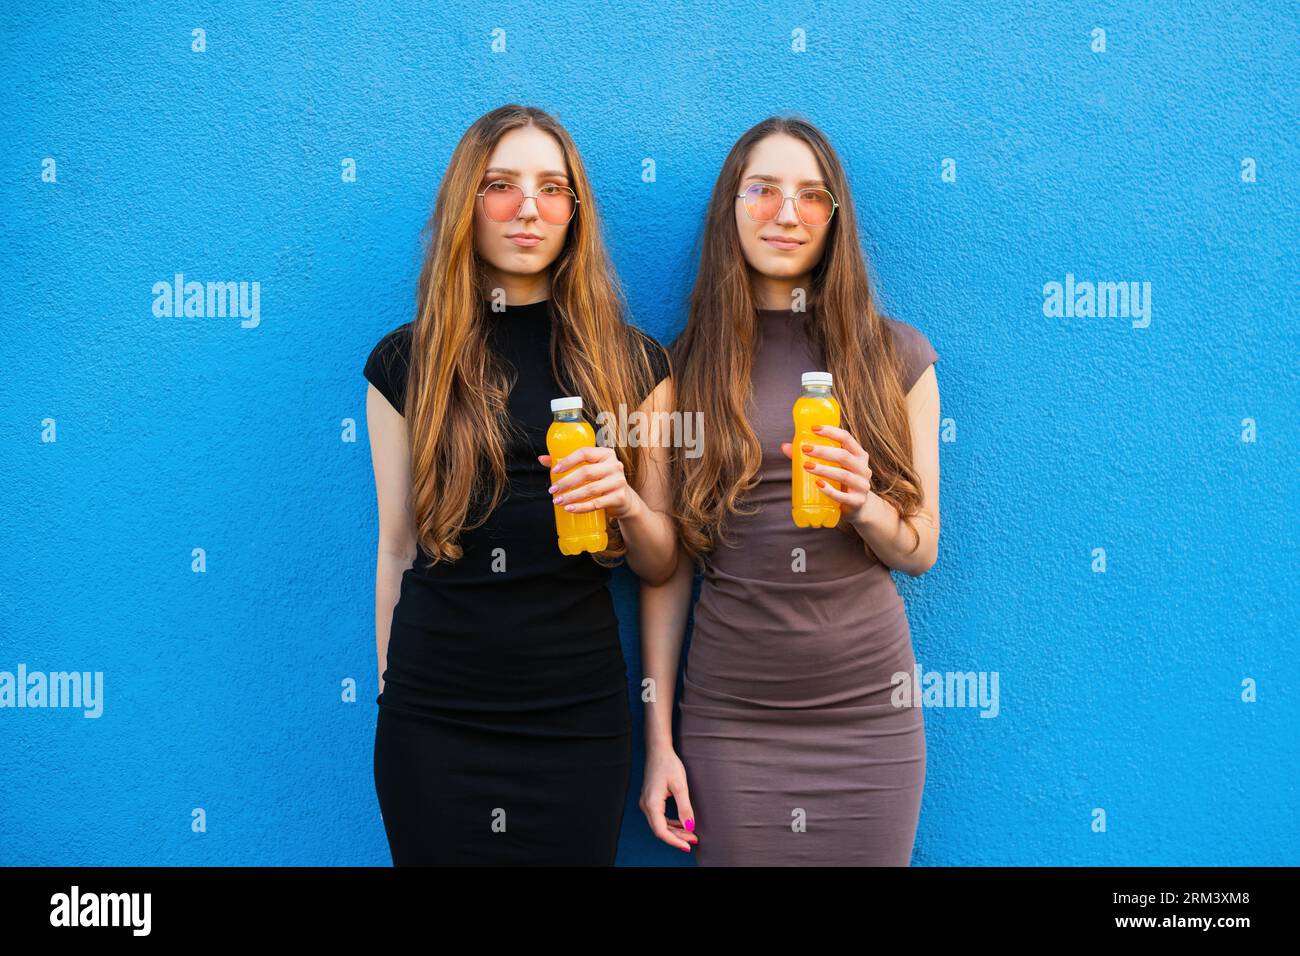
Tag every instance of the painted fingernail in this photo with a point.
(686, 849)
(806, 447)
(689, 824)
(820, 483)
(808, 465)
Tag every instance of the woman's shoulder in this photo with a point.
(914, 350)
(397, 340)
(660, 363)
(389, 364)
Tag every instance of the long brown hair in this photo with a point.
(456, 400)
(712, 357)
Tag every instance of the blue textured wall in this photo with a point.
(1120, 691)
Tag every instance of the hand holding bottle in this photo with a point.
(815, 407)
(848, 482)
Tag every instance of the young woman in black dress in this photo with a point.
(504, 732)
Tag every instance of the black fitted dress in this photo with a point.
(504, 731)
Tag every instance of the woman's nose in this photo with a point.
(527, 209)
(791, 217)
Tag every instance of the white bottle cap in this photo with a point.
(564, 404)
(816, 378)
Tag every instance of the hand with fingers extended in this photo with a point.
(597, 482)
(853, 471)
(665, 777)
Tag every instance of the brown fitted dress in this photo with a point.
(794, 753)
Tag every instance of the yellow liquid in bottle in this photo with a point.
(809, 505)
(584, 531)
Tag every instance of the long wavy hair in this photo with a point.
(713, 356)
(456, 400)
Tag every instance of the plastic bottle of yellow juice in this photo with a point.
(583, 531)
(815, 406)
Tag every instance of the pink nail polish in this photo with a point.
(689, 824)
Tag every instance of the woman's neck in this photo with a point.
(520, 288)
(778, 292)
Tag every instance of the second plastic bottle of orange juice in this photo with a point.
(815, 406)
(584, 531)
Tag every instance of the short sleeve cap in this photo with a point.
(660, 365)
(915, 351)
(389, 365)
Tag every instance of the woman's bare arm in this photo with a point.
(390, 454)
(648, 531)
(663, 625)
(663, 629)
(883, 531)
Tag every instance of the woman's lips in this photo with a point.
(525, 240)
(780, 243)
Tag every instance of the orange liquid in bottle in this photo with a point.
(810, 507)
(583, 531)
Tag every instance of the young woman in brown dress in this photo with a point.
(793, 750)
